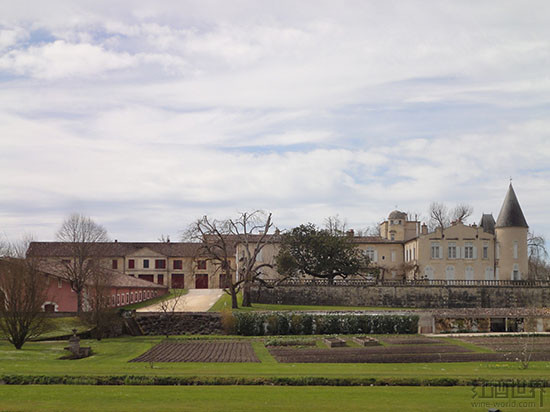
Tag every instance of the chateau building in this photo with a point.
(405, 250)
(486, 251)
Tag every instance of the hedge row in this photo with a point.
(270, 380)
(288, 323)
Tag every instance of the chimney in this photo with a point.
(424, 229)
(350, 233)
(116, 240)
(277, 231)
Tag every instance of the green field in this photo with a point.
(225, 303)
(112, 355)
(244, 398)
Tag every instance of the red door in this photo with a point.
(149, 278)
(178, 280)
(201, 281)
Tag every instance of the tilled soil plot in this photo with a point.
(199, 351)
(411, 341)
(404, 355)
(512, 344)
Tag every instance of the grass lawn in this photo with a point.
(112, 356)
(225, 303)
(158, 299)
(246, 398)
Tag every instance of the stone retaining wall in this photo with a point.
(427, 296)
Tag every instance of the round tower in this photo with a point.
(511, 240)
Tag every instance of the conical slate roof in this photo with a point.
(487, 223)
(510, 214)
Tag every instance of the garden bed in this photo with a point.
(199, 351)
(366, 355)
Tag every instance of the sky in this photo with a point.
(148, 115)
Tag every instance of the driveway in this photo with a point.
(196, 300)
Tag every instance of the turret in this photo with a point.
(511, 237)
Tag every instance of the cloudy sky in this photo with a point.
(146, 116)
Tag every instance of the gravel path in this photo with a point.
(196, 300)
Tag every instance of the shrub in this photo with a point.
(272, 325)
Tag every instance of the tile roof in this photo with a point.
(116, 279)
(117, 249)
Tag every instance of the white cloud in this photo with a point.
(60, 59)
(150, 114)
(9, 37)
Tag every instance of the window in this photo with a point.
(485, 250)
(59, 283)
(498, 251)
(160, 279)
(114, 264)
(468, 250)
(469, 273)
(450, 272)
(489, 273)
(429, 272)
(160, 263)
(414, 253)
(140, 296)
(118, 300)
(201, 264)
(436, 250)
(127, 298)
(452, 250)
(370, 253)
(145, 263)
(178, 264)
(515, 249)
(66, 261)
(515, 273)
(392, 236)
(393, 255)
(131, 264)
(113, 300)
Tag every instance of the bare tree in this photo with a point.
(439, 216)
(336, 225)
(372, 230)
(164, 238)
(537, 257)
(461, 212)
(248, 266)
(23, 291)
(101, 316)
(168, 308)
(85, 239)
(219, 241)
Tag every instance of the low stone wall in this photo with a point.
(406, 296)
(179, 323)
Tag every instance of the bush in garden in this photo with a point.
(296, 325)
(285, 323)
(272, 325)
(282, 321)
(307, 324)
